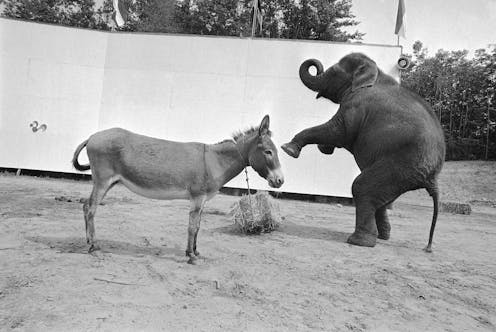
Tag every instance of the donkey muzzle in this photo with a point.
(275, 178)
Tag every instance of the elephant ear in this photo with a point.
(364, 76)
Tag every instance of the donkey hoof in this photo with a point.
(93, 248)
(291, 149)
(428, 249)
(192, 260)
(197, 253)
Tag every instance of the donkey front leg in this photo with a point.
(195, 212)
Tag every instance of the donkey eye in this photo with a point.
(268, 153)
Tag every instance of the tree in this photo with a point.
(317, 19)
(214, 17)
(461, 91)
(306, 19)
(77, 13)
(144, 15)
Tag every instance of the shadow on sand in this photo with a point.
(312, 232)
(289, 228)
(78, 245)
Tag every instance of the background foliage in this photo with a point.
(462, 93)
(77, 13)
(306, 19)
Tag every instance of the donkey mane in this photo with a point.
(225, 141)
(242, 133)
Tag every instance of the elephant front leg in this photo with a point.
(328, 136)
(326, 149)
(315, 135)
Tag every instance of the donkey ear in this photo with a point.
(263, 129)
(365, 75)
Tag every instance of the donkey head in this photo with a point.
(262, 155)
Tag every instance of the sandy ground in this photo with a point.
(302, 277)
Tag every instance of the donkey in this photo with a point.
(162, 169)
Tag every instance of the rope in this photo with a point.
(247, 180)
(249, 194)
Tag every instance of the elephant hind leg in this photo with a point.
(382, 223)
(372, 190)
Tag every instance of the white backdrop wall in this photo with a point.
(184, 88)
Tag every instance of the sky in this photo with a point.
(438, 24)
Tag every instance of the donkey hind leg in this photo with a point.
(372, 190)
(100, 188)
(195, 212)
(382, 223)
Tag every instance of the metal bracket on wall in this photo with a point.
(37, 127)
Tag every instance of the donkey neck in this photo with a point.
(225, 160)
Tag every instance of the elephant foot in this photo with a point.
(362, 239)
(325, 149)
(292, 149)
(383, 235)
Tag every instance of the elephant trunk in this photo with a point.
(313, 82)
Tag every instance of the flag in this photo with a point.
(257, 17)
(120, 12)
(400, 19)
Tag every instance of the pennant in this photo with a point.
(400, 19)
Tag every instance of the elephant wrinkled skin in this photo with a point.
(394, 135)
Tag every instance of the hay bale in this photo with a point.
(257, 214)
(457, 208)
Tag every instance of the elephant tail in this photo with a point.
(434, 192)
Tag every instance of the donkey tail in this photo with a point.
(75, 161)
(434, 192)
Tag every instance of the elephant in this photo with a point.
(394, 135)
